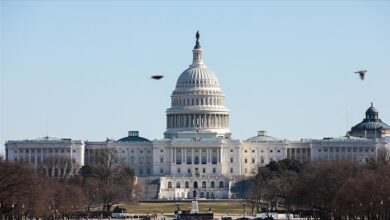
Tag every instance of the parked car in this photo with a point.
(120, 213)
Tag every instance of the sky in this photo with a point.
(81, 69)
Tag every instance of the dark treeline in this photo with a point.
(27, 192)
(332, 189)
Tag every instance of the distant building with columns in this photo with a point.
(198, 152)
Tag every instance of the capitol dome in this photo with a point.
(197, 102)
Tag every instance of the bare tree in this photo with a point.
(318, 183)
(114, 180)
(255, 192)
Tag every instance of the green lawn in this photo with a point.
(168, 208)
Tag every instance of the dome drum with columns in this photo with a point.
(197, 103)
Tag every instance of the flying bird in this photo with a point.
(361, 73)
(157, 77)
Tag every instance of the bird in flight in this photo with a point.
(361, 73)
(157, 77)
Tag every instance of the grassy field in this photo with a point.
(168, 208)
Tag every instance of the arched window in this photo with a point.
(195, 185)
(212, 184)
(221, 184)
(169, 185)
(178, 185)
(204, 184)
(187, 184)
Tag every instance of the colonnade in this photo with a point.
(186, 155)
(197, 101)
(201, 120)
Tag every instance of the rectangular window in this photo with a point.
(231, 160)
(161, 159)
(271, 151)
(214, 170)
(253, 160)
(231, 170)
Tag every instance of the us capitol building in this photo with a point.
(197, 152)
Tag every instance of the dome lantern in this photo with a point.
(197, 53)
(372, 113)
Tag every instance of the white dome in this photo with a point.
(199, 76)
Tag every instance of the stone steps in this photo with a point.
(151, 188)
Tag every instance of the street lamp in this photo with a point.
(13, 206)
(22, 210)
